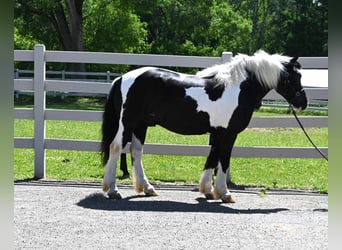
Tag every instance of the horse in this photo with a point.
(218, 100)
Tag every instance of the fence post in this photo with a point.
(108, 76)
(16, 73)
(39, 111)
(226, 57)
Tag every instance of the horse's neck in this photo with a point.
(255, 90)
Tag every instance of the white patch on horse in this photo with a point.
(221, 110)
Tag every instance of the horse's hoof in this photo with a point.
(209, 196)
(228, 199)
(115, 196)
(150, 192)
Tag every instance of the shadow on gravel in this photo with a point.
(100, 202)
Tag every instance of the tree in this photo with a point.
(96, 25)
(207, 27)
(65, 16)
(295, 27)
(228, 30)
(193, 27)
(114, 27)
(308, 34)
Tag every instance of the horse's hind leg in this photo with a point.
(109, 179)
(140, 181)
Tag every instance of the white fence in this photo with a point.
(39, 85)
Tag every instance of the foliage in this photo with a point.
(192, 27)
(186, 27)
(228, 29)
(294, 27)
(309, 28)
(111, 27)
(33, 18)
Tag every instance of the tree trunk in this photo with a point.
(70, 32)
(76, 26)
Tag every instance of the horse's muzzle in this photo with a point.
(300, 102)
(301, 106)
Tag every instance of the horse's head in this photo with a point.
(290, 87)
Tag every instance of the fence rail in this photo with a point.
(40, 85)
(63, 75)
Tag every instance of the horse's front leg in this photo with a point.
(221, 190)
(140, 181)
(205, 185)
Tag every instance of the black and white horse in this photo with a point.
(218, 100)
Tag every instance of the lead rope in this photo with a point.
(307, 136)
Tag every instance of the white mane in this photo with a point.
(265, 67)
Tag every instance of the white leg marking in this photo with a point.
(221, 191)
(140, 181)
(109, 180)
(205, 186)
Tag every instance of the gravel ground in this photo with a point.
(69, 215)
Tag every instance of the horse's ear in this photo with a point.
(294, 59)
(294, 63)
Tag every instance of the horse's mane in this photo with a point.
(265, 67)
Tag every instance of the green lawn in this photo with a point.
(310, 174)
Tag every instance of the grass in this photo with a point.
(309, 174)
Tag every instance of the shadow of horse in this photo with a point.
(99, 202)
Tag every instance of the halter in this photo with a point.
(287, 83)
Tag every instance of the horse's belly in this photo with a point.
(186, 123)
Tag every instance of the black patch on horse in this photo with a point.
(174, 78)
(213, 89)
(158, 96)
(214, 92)
(171, 79)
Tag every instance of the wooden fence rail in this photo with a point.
(39, 85)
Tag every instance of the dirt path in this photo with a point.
(67, 215)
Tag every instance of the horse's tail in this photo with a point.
(110, 119)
